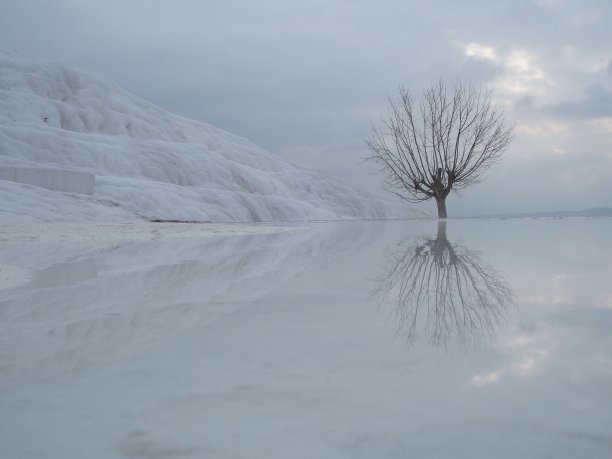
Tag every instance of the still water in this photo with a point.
(478, 338)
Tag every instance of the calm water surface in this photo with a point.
(478, 338)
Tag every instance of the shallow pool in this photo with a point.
(478, 338)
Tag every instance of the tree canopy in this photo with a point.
(442, 144)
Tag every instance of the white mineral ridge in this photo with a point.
(148, 163)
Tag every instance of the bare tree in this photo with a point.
(442, 145)
(443, 289)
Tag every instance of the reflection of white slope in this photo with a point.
(148, 162)
(65, 274)
(115, 303)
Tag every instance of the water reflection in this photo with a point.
(443, 289)
(65, 274)
(80, 314)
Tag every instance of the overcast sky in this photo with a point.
(305, 79)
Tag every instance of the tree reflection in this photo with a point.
(445, 289)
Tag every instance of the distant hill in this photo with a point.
(592, 212)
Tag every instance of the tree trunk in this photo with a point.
(441, 234)
(441, 207)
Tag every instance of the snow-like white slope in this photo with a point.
(148, 162)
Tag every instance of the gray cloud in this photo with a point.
(596, 103)
(552, 182)
(525, 103)
(304, 79)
